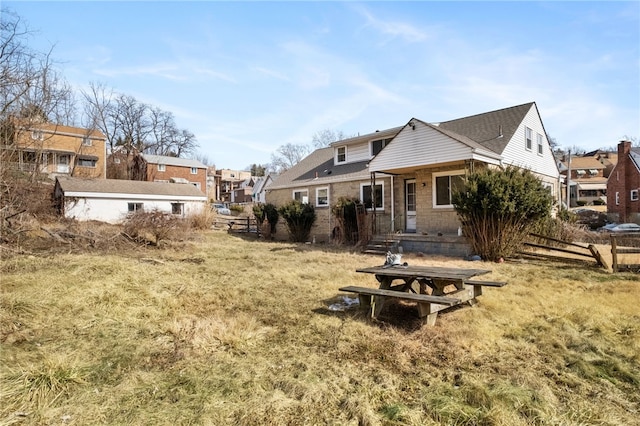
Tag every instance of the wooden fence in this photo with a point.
(623, 244)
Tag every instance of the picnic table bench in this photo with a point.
(438, 288)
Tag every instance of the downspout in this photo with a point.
(393, 206)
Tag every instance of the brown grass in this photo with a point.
(228, 330)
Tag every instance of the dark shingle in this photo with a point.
(485, 128)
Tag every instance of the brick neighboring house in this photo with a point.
(160, 168)
(623, 188)
(57, 150)
(404, 175)
(588, 183)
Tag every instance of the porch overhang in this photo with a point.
(411, 166)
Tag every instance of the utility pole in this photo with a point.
(569, 179)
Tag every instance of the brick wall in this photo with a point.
(153, 174)
(622, 180)
(325, 222)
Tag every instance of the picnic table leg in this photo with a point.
(377, 302)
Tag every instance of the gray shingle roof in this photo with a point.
(485, 128)
(320, 161)
(172, 161)
(117, 186)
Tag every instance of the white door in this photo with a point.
(410, 205)
(63, 163)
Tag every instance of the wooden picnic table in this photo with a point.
(434, 288)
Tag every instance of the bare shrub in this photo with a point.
(202, 220)
(153, 227)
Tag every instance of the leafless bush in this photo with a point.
(203, 220)
(154, 227)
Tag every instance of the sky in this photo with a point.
(249, 77)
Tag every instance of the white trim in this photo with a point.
(528, 141)
(162, 167)
(434, 189)
(326, 188)
(634, 195)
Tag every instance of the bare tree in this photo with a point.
(288, 156)
(323, 138)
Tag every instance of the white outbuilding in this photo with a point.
(112, 200)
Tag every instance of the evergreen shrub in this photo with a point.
(299, 218)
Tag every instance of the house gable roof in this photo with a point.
(317, 168)
(493, 129)
(423, 144)
(70, 185)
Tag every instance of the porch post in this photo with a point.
(373, 204)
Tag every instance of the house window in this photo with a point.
(177, 208)
(302, 196)
(135, 207)
(377, 145)
(194, 170)
(87, 162)
(539, 140)
(341, 154)
(444, 184)
(634, 195)
(37, 135)
(116, 161)
(87, 141)
(322, 197)
(371, 198)
(162, 168)
(617, 198)
(527, 137)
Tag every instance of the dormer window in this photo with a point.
(341, 154)
(377, 145)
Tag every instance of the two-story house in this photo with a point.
(404, 176)
(158, 168)
(587, 181)
(623, 187)
(56, 150)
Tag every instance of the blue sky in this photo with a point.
(248, 77)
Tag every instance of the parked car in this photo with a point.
(621, 227)
(221, 209)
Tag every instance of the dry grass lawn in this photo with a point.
(231, 331)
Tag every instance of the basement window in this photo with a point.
(135, 207)
(177, 208)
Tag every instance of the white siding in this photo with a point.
(423, 146)
(356, 152)
(515, 153)
(115, 210)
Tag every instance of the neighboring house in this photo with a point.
(623, 188)
(587, 182)
(243, 193)
(404, 176)
(111, 200)
(230, 180)
(260, 188)
(158, 168)
(57, 150)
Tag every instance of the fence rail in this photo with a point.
(631, 246)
